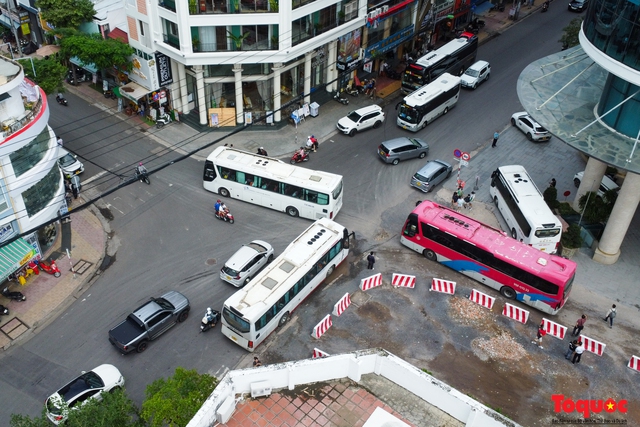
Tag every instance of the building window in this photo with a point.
(28, 156)
(4, 205)
(171, 34)
(41, 195)
(314, 24)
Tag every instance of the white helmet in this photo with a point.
(209, 310)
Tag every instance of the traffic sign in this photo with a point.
(465, 156)
(464, 163)
(457, 153)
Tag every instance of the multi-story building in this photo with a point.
(589, 97)
(253, 56)
(31, 183)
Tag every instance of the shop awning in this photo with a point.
(89, 67)
(133, 91)
(14, 255)
(6, 21)
(118, 34)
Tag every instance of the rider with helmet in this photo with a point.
(141, 171)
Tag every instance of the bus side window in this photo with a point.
(224, 172)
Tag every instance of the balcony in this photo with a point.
(203, 7)
(171, 40)
(31, 110)
(168, 4)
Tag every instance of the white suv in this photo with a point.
(364, 118)
(476, 74)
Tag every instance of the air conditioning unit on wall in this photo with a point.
(260, 388)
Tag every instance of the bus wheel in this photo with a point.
(446, 110)
(430, 255)
(291, 211)
(495, 201)
(223, 192)
(284, 319)
(330, 271)
(513, 233)
(507, 292)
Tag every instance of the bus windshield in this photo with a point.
(336, 193)
(235, 321)
(408, 114)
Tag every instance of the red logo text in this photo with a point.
(586, 407)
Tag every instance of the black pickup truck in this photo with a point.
(149, 321)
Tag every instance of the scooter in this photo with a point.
(49, 268)
(210, 319)
(109, 94)
(352, 90)
(340, 99)
(392, 74)
(14, 295)
(297, 158)
(61, 100)
(165, 119)
(227, 217)
(3, 310)
(545, 6)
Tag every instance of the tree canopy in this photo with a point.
(49, 73)
(174, 401)
(66, 13)
(93, 49)
(570, 36)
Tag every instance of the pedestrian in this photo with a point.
(460, 191)
(552, 183)
(496, 135)
(577, 354)
(256, 362)
(370, 261)
(262, 151)
(60, 142)
(611, 314)
(454, 200)
(460, 203)
(541, 333)
(468, 201)
(383, 68)
(579, 325)
(572, 347)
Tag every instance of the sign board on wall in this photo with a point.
(163, 65)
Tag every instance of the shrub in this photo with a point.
(550, 196)
(571, 238)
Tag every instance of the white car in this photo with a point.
(476, 74)
(70, 164)
(606, 184)
(89, 385)
(361, 119)
(246, 263)
(531, 128)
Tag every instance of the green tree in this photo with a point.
(19, 420)
(49, 73)
(570, 36)
(237, 39)
(174, 401)
(93, 49)
(66, 13)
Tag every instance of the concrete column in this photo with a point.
(608, 250)
(202, 103)
(307, 75)
(277, 87)
(237, 74)
(184, 95)
(332, 71)
(591, 180)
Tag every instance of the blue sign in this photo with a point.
(390, 42)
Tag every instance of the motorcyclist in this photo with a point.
(222, 210)
(59, 96)
(211, 317)
(217, 205)
(312, 143)
(141, 171)
(301, 153)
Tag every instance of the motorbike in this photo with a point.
(312, 143)
(61, 100)
(392, 74)
(499, 7)
(162, 120)
(80, 77)
(210, 319)
(109, 94)
(475, 25)
(227, 217)
(298, 158)
(14, 295)
(3, 310)
(49, 268)
(545, 6)
(340, 99)
(352, 89)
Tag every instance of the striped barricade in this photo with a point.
(443, 286)
(371, 282)
(554, 329)
(634, 363)
(515, 313)
(482, 299)
(322, 327)
(342, 305)
(403, 281)
(317, 353)
(593, 346)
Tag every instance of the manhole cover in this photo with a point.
(211, 261)
(14, 328)
(81, 266)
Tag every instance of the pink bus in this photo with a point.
(489, 256)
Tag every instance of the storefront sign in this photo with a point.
(6, 231)
(349, 65)
(390, 42)
(163, 65)
(349, 50)
(143, 72)
(386, 11)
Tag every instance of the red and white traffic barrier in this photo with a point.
(342, 305)
(593, 346)
(634, 363)
(444, 286)
(322, 327)
(515, 313)
(403, 281)
(371, 282)
(554, 329)
(481, 298)
(317, 353)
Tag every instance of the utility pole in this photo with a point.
(13, 26)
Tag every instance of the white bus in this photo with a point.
(524, 210)
(272, 183)
(421, 107)
(267, 301)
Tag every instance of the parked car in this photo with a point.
(606, 184)
(578, 5)
(361, 119)
(246, 263)
(402, 148)
(534, 131)
(476, 74)
(70, 164)
(149, 321)
(89, 385)
(431, 174)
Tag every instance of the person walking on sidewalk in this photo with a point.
(572, 347)
(578, 353)
(256, 362)
(496, 135)
(370, 261)
(579, 326)
(611, 314)
(541, 333)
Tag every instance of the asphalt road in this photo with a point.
(167, 237)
